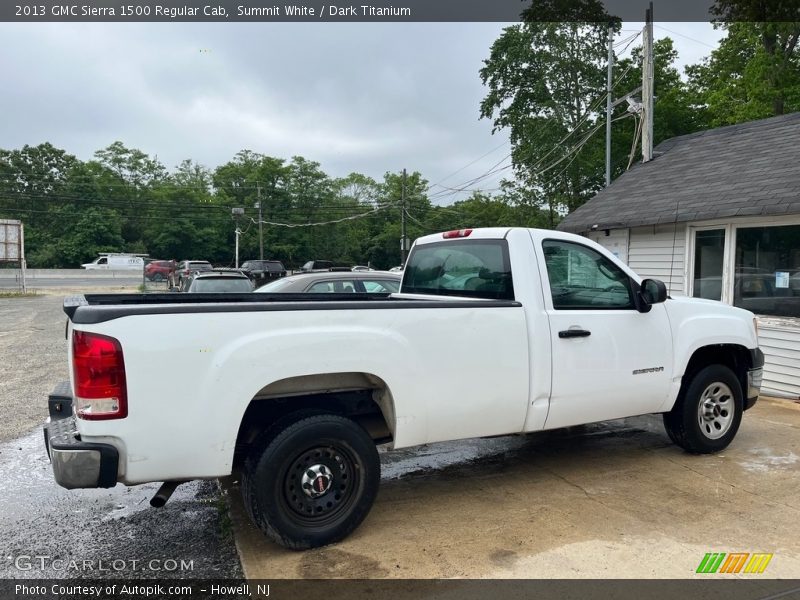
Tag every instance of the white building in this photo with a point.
(716, 215)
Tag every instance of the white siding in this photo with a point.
(658, 252)
(779, 339)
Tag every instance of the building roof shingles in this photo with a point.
(747, 169)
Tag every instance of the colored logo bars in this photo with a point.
(734, 562)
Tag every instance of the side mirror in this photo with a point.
(651, 291)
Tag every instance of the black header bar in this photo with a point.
(380, 11)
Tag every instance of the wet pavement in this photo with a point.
(614, 499)
(50, 532)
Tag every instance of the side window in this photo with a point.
(321, 287)
(582, 278)
(381, 287)
(102, 261)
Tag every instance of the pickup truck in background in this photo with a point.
(494, 331)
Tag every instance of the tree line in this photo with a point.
(124, 200)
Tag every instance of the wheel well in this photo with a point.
(736, 358)
(362, 397)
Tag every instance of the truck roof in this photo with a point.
(497, 233)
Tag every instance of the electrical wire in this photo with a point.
(350, 218)
(635, 140)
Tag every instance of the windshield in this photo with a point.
(473, 268)
(220, 285)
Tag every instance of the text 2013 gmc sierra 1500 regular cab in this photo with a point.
(495, 331)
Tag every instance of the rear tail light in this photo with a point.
(99, 377)
(456, 233)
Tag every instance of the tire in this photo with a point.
(708, 411)
(311, 480)
(158, 277)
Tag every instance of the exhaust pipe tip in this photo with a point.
(163, 494)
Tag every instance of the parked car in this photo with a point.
(317, 265)
(297, 394)
(218, 282)
(116, 262)
(263, 271)
(335, 282)
(362, 268)
(185, 268)
(159, 270)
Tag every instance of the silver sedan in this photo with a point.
(336, 282)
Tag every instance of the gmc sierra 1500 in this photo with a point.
(495, 331)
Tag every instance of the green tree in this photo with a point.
(753, 74)
(545, 84)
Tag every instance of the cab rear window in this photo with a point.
(467, 268)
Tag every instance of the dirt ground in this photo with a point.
(613, 500)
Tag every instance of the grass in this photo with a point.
(18, 294)
(223, 509)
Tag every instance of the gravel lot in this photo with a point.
(33, 359)
(38, 518)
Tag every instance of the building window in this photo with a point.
(709, 259)
(767, 270)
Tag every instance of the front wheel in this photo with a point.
(312, 481)
(708, 411)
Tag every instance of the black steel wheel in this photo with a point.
(311, 481)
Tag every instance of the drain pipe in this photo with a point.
(163, 494)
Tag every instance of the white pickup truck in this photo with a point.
(495, 331)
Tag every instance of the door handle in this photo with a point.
(574, 333)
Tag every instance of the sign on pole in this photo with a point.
(12, 244)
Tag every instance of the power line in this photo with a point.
(691, 39)
(350, 218)
(469, 164)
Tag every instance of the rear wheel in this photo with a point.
(708, 411)
(311, 481)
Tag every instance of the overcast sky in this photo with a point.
(358, 97)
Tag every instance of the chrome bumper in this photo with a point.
(754, 376)
(76, 464)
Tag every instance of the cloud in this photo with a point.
(359, 97)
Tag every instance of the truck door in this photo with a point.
(609, 360)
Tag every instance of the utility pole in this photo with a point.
(403, 221)
(260, 225)
(608, 101)
(235, 214)
(647, 88)
(23, 265)
(237, 232)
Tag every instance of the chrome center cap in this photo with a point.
(710, 410)
(316, 481)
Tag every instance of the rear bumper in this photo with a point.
(754, 377)
(76, 464)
